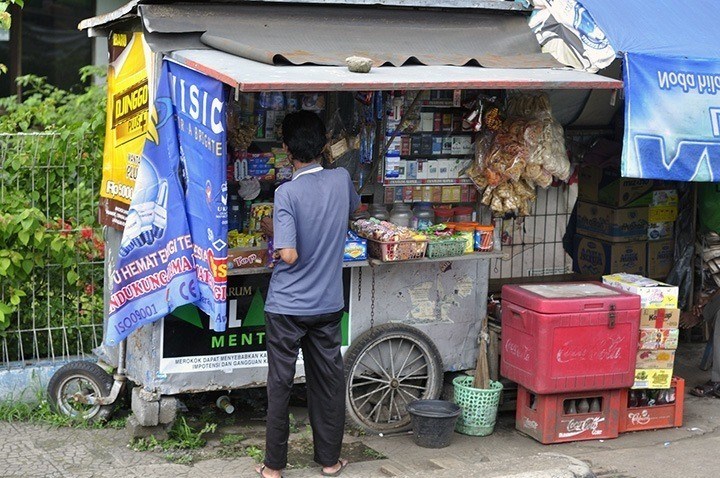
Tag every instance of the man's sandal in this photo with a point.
(343, 465)
(707, 389)
(261, 470)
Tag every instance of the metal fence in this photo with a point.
(61, 315)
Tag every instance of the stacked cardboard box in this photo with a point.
(659, 320)
(623, 225)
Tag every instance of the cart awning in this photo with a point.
(250, 76)
(326, 35)
(671, 75)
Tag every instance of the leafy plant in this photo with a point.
(181, 437)
(231, 439)
(255, 453)
(51, 249)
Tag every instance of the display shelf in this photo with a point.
(475, 256)
(429, 182)
(267, 270)
(438, 156)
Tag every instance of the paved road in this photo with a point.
(693, 450)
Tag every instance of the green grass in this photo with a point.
(181, 437)
(231, 439)
(41, 412)
(255, 453)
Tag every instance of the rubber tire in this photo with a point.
(377, 334)
(90, 371)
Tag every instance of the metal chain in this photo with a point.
(372, 300)
(359, 283)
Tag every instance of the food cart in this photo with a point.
(407, 321)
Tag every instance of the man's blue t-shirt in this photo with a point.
(311, 214)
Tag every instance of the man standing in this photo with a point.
(709, 308)
(305, 300)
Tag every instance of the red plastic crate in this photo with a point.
(569, 337)
(543, 417)
(651, 418)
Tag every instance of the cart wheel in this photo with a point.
(386, 368)
(73, 384)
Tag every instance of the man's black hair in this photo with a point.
(303, 133)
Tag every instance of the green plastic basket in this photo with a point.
(479, 407)
(445, 248)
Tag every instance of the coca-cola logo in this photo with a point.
(605, 350)
(576, 427)
(530, 424)
(245, 260)
(520, 351)
(639, 418)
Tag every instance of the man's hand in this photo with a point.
(266, 226)
(289, 255)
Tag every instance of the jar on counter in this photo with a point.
(484, 238)
(401, 215)
(443, 215)
(361, 213)
(379, 211)
(463, 214)
(423, 216)
(467, 232)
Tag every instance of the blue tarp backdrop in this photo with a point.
(173, 249)
(672, 118)
(672, 79)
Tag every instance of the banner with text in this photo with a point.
(200, 107)
(126, 125)
(190, 345)
(672, 118)
(162, 263)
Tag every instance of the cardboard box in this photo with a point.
(658, 339)
(443, 168)
(660, 197)
(612, 224)
(658, 231)
(432, 170)
(653, 294)
(655, 359)
(461, 145)
(660, 318)
(601, 184)
(422, 169)
(660, 258)
(653, 378)
(355, 248)
(596, 257)
(662, 213)
(246, 257)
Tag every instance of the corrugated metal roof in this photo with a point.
(248, 75)
(500, 5)
(281, 34)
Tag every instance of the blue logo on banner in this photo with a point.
(672, 118)
(172, 252)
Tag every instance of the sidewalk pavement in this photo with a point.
(30, 451)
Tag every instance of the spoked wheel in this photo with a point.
(74, 385)
(386, 368)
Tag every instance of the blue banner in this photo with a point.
(672, 118)
(173, 249)
(200, 106)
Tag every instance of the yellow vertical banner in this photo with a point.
(127, 121)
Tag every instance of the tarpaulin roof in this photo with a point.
(325, 35)
(247, 75)
(662, 27)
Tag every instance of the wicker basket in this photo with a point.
(446, 248)
(479, 407)
(396, 251)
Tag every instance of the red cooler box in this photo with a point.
(569, 337)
